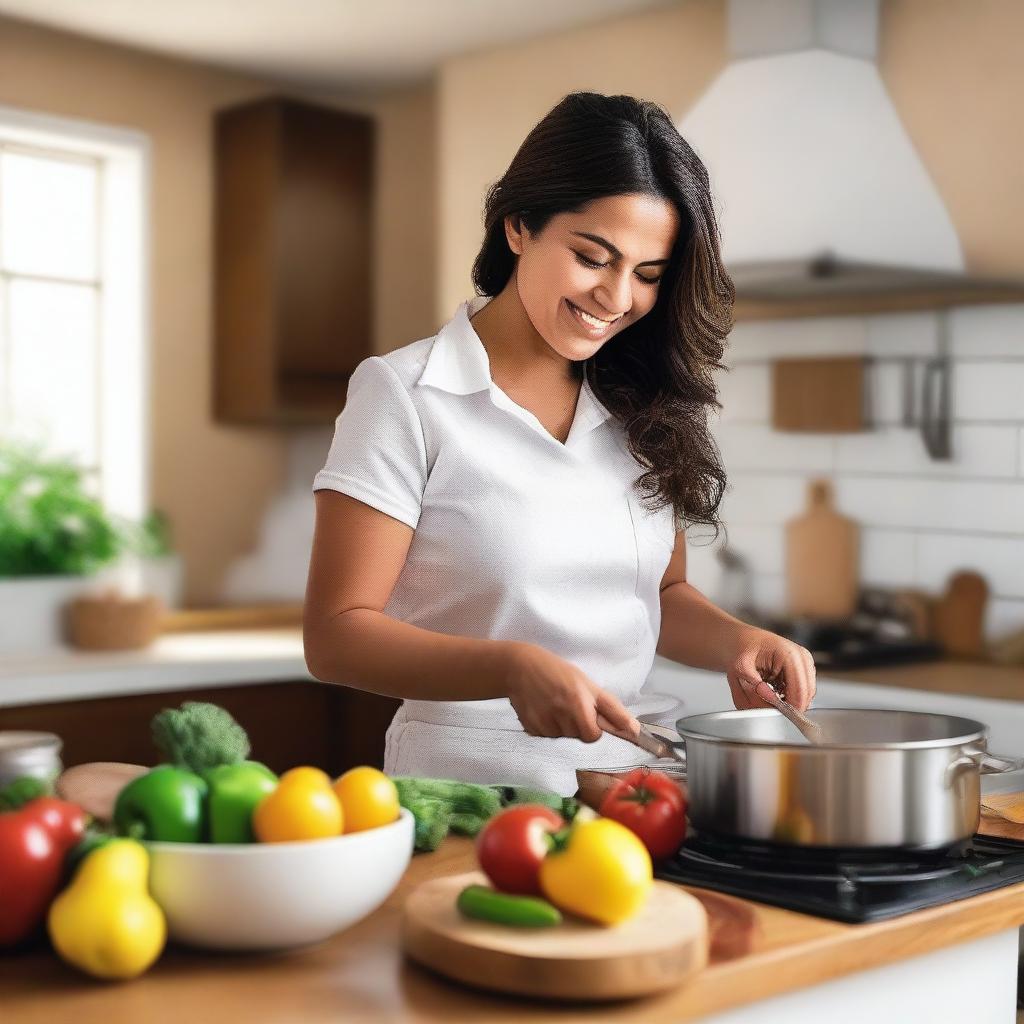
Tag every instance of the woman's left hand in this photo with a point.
(760, 657)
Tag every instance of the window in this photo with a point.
(73, 331)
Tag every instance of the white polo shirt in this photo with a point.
(517, 537)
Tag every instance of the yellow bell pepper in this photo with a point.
(368, 798)
(303, 806)
(601, 871)
(105, 922)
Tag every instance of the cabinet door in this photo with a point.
(294, 208)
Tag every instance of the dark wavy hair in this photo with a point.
(657, 375)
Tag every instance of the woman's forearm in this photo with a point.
(374, 652)
(695, 631)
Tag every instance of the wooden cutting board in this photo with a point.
(821, 558)
(959, 616)
(657, 949)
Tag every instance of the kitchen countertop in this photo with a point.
(974, 679)
(361, 975)
(177, 661)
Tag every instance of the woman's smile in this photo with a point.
(593, 326)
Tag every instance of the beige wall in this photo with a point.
(488, 102)
(215, 482)
(955, 73)
(953, 69)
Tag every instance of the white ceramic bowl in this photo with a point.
(276, 895)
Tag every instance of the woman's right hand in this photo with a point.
(552, 697)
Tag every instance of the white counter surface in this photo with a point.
(177, 661)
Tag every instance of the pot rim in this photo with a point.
(975, 731)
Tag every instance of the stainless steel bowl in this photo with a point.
(886, 778)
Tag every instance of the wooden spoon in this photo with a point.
(811, 731)
(94, 786)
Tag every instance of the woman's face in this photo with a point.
(613, 274)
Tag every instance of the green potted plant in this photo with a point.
(55, 538)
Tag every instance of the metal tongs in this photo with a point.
(645, 739)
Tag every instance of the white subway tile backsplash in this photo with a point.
(887, 557)
(978, 451)
(988, 391)
(758, 340)
(762, 547)
(964, 505)
(988, 331)
(745, 393)
(757, 446)
(999, 559)
(885, 384)
(1003, 618)
(920, 519)
(902, 334)
(769, 593)
(759, 499)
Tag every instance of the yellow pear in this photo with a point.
(105, 922)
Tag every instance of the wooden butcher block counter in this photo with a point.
(361, 975)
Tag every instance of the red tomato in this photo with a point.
(652, 805)
(512, 845)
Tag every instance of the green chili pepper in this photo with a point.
(503, 908)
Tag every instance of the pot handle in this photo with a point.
(986, 763)
(993, 764)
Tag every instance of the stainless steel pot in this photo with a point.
(886, 778)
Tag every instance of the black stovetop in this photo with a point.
(850, 886)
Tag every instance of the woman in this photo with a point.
(500, 523)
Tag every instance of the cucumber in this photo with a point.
(485, 904)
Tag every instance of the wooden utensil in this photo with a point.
(94, 786)
(657, 949)
(811, 731)
(959, 616)
(821, 558)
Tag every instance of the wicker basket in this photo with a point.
(110, 622)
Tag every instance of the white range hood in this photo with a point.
(818, 187)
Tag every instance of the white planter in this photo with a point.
(32, 607)
(31, 611)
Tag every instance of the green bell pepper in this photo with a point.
(235, 790)
(167, 804)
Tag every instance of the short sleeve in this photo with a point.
(378, 454)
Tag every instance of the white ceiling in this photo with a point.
(346, 45)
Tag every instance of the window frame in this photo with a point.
(123, 289)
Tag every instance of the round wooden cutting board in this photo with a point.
(655, 950)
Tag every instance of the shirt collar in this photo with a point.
(458, 363)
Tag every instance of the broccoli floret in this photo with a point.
(199, 736)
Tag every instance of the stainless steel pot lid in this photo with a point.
(847, 728)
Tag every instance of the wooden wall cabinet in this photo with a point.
(293, 260)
